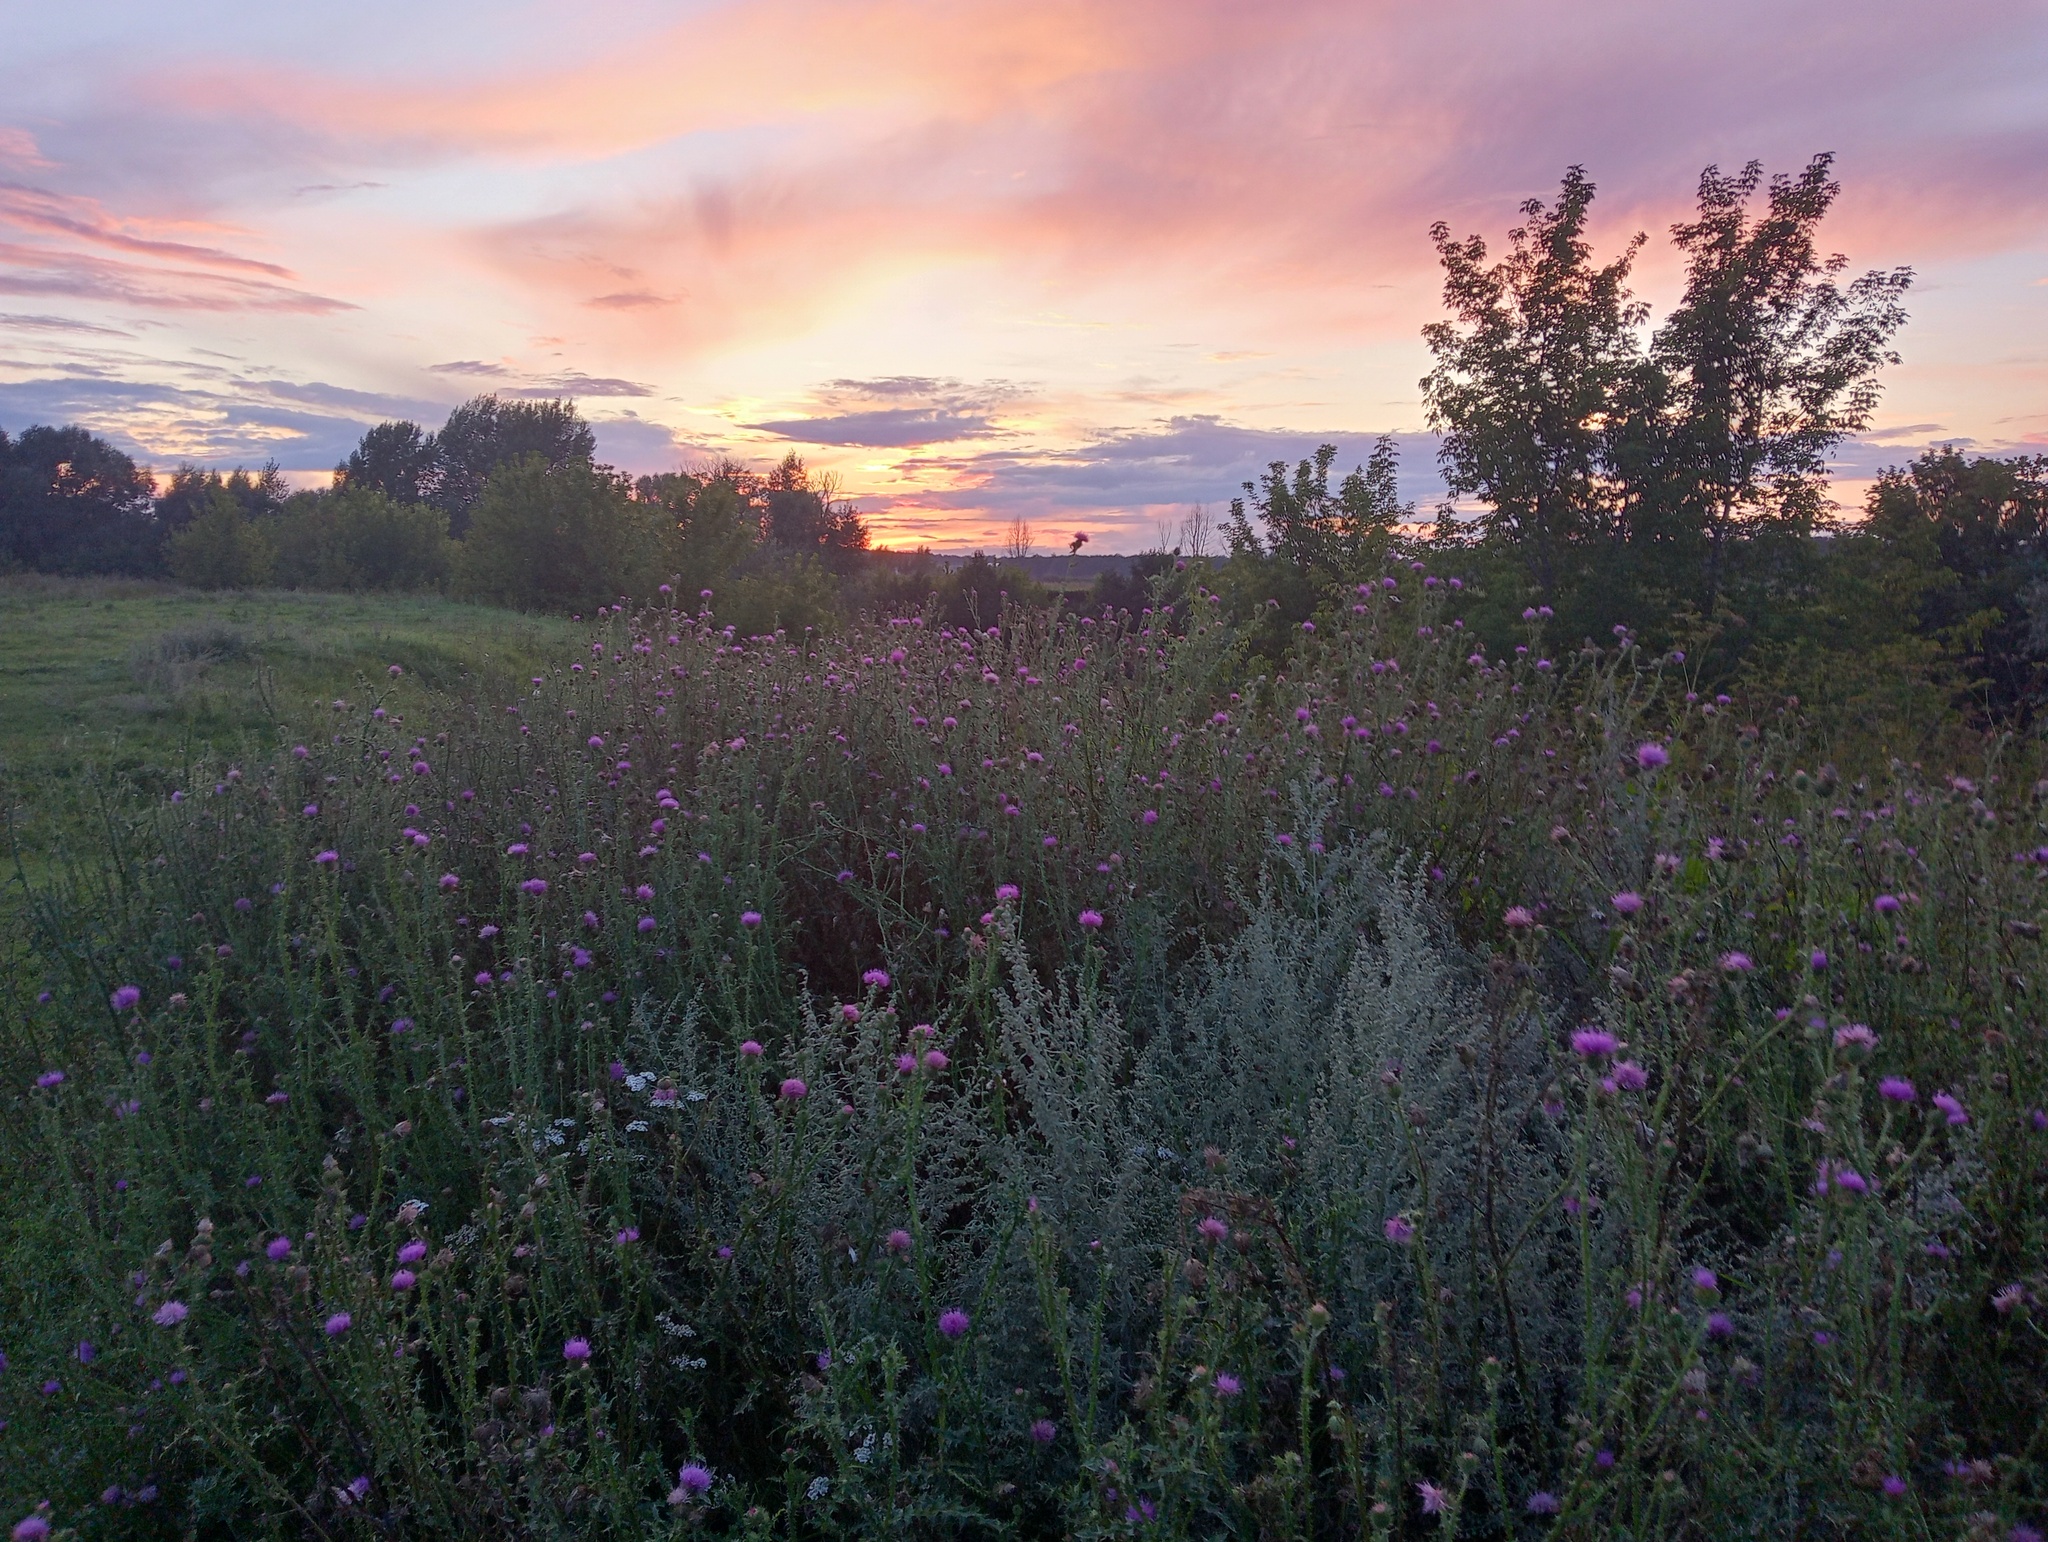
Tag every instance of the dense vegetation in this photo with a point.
(1311, 1046)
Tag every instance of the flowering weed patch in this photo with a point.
(1036, 1079)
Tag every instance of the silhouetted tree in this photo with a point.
(400, 460)
(72, 503)
(484, 434)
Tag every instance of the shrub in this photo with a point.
(356, 538)
(221, 547)
(562, 537)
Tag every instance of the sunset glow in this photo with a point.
(1088, 264)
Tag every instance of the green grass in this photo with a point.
(136, 679)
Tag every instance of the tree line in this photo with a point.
(1605, 468)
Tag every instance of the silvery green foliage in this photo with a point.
(1274, 1056)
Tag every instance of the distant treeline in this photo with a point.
(1669, 477)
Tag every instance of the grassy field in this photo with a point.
(138, 679)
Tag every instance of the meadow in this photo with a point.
(1096, 1073)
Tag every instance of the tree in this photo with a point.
(400, 460)
(356, 538)
(568, 537)
(1980, 525)
(485, 434)
(1314, 529)
(1764, 367)
(191, 493)
(1526, 375)
(221, 546)
(709, 528)
(808, 517)
(72, 503)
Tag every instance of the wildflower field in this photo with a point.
(1069, 1076)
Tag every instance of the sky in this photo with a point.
(1087, 265)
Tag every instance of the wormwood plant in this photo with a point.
(1033, 1081)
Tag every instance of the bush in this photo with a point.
(990, 1078)
(355, 538)
(221, 547)
(568, 537)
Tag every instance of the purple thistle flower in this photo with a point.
(412, 1252)
(955, 1323)
(1720, 1326)
(750, 1048)
(403, 1279)
(1885, 904)
(626, 1236)
(1518, 918)
(1399, 1230)
(1629, 1076)
(1091, 920)
(1736, 962)
(50, 1079)
(1006, 893)
(278, 1249)
(338, 1324)
(1434, 1500)
(749, 919)
(1898, 1089)
(1894, 1486)
(30, 1528)
(1043, 1431)
(170, 1314)
(793, 1088)
(576, 1351)
(1627, 902)
(1818, 958)
(1704, 1284)
(1227, 1385)
(125, 997)
(1652, 755)
(1543, 1502)
(326, 858)
(1948, 1104)
(692, 1482)
(935, 1060)
(898, 1241)
(876, 979)
(1594, 1043)
(1215, 1228)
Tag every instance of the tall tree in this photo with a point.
(400, 460)
(72, 503)
(1526, 372)
(484, 434)
(1764, 367)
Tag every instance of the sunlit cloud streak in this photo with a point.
(974, 258)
